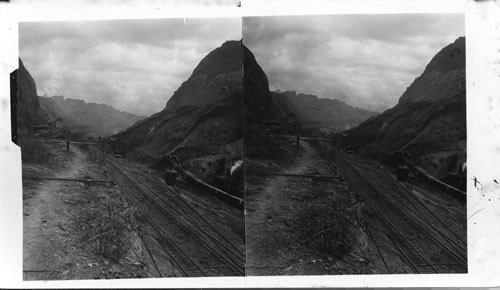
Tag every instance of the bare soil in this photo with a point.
(52, 246)
(273, 246)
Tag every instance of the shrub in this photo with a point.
(33, 151)
(260, 145)
(102, 225)
(327, 225)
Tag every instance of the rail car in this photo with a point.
(170, 177)
(402, 173)
(118, 154)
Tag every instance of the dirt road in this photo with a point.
(52, 247)
(272, 243)
(45, 223)
(265, 221)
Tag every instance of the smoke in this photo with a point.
(52, 86)
(235, 166)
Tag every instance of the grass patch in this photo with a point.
(33, 151)
(259, 145)
(326, 150)
(327, 224)
(103, 222)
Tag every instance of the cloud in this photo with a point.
(132, 65)
(364, 60)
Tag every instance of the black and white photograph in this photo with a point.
(131, 142)
(249, 144)
(355, 144)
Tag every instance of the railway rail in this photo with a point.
(183, 220)
(176, 204)
(182, 206)
(416, 229)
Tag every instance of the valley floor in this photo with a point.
(139, 227)
(277, 205)
(53, 211)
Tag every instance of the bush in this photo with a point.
(33, 151)
(327, 225)
(94, 153)
(102, 225)
(326, 150)
(260, 145)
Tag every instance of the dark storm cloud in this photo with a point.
(364, 60)
(132, 65)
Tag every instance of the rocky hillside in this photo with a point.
(28, 109)
(442, 79)
(202, 121)
(87, 118)
(429, 121)
(315, 113)
(258, 103)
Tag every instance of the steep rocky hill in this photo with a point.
(28, 109)
(429, 122)
(201, 123)
(315, 113)
(87, 118)
(258, 104)
(443, 78)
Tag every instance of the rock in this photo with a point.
(287, 270)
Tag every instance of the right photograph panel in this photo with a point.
(355, 144)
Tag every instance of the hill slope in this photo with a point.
(315, 113)
(203, 118)
(28, 109)
(258, 104)
(429, 122)
(87, 118)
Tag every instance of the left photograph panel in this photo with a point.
(131, 142)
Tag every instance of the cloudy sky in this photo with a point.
(132, 65)
(364, 60)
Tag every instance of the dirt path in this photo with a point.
(271, 240)
(45, 236)
(55, 212)
(263, 216)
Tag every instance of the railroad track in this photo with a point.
(403, 199)
(202, 228)
(181, 258)
(415, 234)
(210, 207)
(177, 203)
(182, 223)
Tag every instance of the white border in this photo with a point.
(483, 91)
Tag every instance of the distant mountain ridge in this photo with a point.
(313, 113)
(87, 118)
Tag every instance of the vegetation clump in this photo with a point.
(103, 222)
(328, 225)
(33, 151)
(260, 145)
